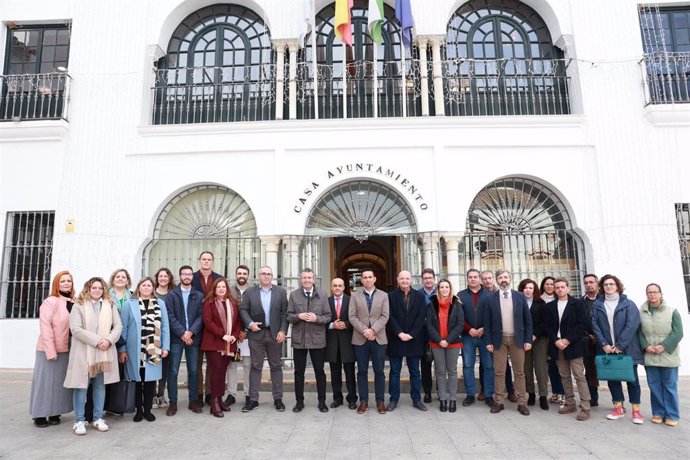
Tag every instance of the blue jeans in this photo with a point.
(555, 378)
(394, 377)
(79, 399)
(192, 354)
(469, 357)
(377, 353)
(663, 386)
(616, 389)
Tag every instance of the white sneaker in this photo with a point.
(154, 405)
(100, 425)
(79, 429)
(162, 402)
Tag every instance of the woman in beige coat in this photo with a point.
(96, 326)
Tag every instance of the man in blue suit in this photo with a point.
(508, 326)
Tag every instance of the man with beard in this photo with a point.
(241, 278)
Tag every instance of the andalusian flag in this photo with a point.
(343, 21)
(376, 20)
(403, 13)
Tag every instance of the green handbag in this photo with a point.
(615, 367)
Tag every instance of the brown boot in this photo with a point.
(215, 408)
(583, 415)
(222, 405)
(172, 409)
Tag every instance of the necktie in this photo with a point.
(505, 294)
(308, 294)
(337, 307)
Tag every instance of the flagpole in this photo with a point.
(344, 80)
(314, 62)
(404, 85)
(376, 79)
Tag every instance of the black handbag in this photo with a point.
(121, 397)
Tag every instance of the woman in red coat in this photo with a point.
(222, 326)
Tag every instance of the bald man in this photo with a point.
(405, 338)
(340, 352)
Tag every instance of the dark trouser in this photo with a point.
(555, 377)
(394, 377)
(509, 378)
(318, 356)
(265, 347)
(375, 352)
(143, 393)
(535, 364)
(591, 370)
(201, 388)
(162, 382)
(337, 380)
(426, 376)
(219, 365)
(634, 390)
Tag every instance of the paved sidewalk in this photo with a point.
(471, 433)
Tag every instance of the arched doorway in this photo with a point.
(204, 218)
(367, 222)
(523, 226)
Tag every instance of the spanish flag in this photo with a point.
(343, 21)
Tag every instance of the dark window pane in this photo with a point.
(49, 37)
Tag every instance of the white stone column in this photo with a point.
(430, 251)
(452, 250)
(423, 43)
(279, 46)
(439, 98)
(292, 262)
(293, 46)
(271, 246)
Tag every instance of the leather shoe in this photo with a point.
(172, 409)
(583, 415)
(352, 405)
(468, 401)
(523, 409)
(298, 407)
(567, 409)
(427, 398)
(230, 400)
(195, 406)
(543, 403)
(512, 397)
(278, 403)
(496, 408)
(54, 420)
(481, 396)
(381, 407)
(250, 405)
(452, 406)
(363, 406)
(224, 407)
(489, 401)
(323, 407)
(594, 403)
(443, 406)
(419, 406)
(41, 422)
(335, 404)
(392, 406)
(531, 399)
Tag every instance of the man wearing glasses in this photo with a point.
(264, 312)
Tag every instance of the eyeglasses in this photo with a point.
(653, 292)
(609, 284)
(265, 274)
(186, 274)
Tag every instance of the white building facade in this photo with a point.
(547, 137)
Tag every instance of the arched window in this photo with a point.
(219, 67)
(360, 75)
(523, 226)
(500, 60)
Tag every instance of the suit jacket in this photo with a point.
(474, 317)
(573, 324)
(363, 319)
(196, 281)
(176, 315)
(214, 330)
(493, 322)
(252, 311)
(337, 339)
(411, 321)
(307, 335)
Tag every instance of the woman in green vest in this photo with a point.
(661, 328)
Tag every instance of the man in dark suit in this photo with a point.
(405, 338)
(264, 310)
(427, 290)
(184, 315)
(591, 283)
(508, 327)
(566, 326)
(339, 350)
(368, 314)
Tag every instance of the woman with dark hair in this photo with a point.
(536, 359)
(615, 323)
(147, 341)
(49, 398)
(95, 325)
(164, 282)
(661, 329)
(445, 321)
(222, 326)
(548, 294)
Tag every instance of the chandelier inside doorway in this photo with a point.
(360, 209)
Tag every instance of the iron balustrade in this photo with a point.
(43, 96)
(507, 86)
(666, 77)
(214, 94)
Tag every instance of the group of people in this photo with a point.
(106, 333)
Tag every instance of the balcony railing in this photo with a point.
(214, 94)
(361, 94)
(43, 96)
(666, 77)
(506, 87)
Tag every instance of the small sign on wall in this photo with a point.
(69, 226)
